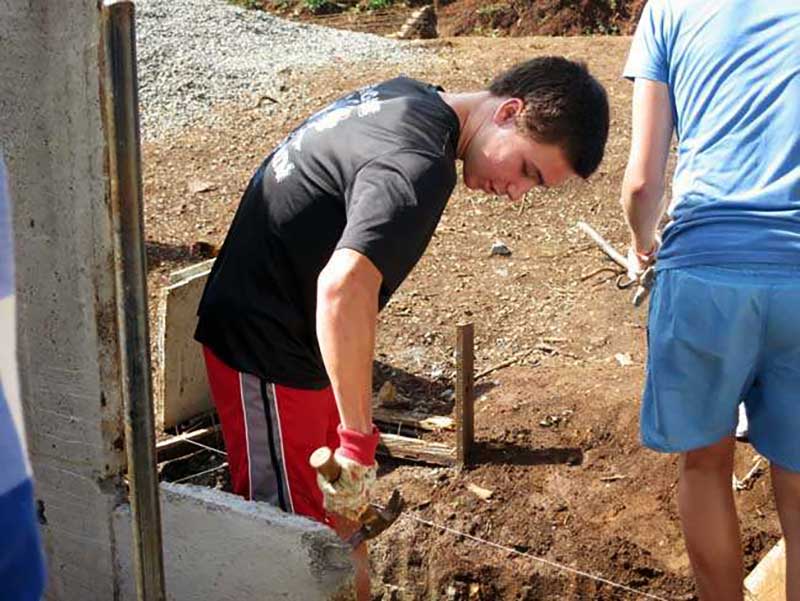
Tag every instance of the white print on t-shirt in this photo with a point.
(363, 102)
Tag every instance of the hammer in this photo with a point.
(373, 519)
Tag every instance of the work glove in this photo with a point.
(349, 494)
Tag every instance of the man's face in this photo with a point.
(502, 160)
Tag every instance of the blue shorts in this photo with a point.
(22, 570)
(718, 335)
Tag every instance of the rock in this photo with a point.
(483, 493)
(439, 422)
(387, 395)
(422, 25)
(624, 359)
(500, 248)
(197, 186)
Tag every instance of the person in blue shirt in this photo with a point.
(22, 574)
(723, 76)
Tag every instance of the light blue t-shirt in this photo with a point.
(733, 71)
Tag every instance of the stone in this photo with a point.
(501, 249)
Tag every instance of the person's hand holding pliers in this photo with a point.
(641, 269)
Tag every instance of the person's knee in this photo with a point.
(714, 458)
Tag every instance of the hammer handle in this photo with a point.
(323, 461)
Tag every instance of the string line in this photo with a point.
(548, 562)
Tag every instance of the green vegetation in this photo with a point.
(492, 10)
(378, 4)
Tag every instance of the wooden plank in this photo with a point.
(414, 449)
(181, 383)
(767, 581)
(465, 393)
(182, 444)
(419, 421)
(187, 273)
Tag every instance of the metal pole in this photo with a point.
(121, 103)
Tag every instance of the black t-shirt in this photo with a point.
(371, 172)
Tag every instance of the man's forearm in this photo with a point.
(643, 207)
(347, 309)
(643, 186)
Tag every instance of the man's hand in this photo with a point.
(639, 262)
(349, 494)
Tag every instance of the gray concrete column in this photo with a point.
(52, 134)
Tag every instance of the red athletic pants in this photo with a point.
(270, 431)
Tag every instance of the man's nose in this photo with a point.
(518, 190)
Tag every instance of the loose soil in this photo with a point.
(471, 17)
(557, 440)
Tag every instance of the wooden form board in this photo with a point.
(181, 384)
(767, 581)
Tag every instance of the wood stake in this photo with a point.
(465, 393)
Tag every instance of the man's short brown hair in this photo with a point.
(564, 105)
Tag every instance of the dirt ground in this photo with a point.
(471, 17)
(557, 433)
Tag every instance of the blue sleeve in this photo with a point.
(22, 566)
(6, 240)
(648, 57)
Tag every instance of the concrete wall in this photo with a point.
(51, 132)
(219, 547)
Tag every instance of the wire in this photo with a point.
(206, 447)
(552, 564)
(204, 472)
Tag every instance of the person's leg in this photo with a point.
(305, 420)
(786, 486)
(709, 521)
(774, 412)
(226, 392)
(704, 335)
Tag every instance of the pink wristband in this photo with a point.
(357, 446)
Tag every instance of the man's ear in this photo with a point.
(506, 113)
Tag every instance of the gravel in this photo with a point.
(194, 55)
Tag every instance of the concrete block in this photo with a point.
(182, 387)
(219, 547)
(767, 581)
